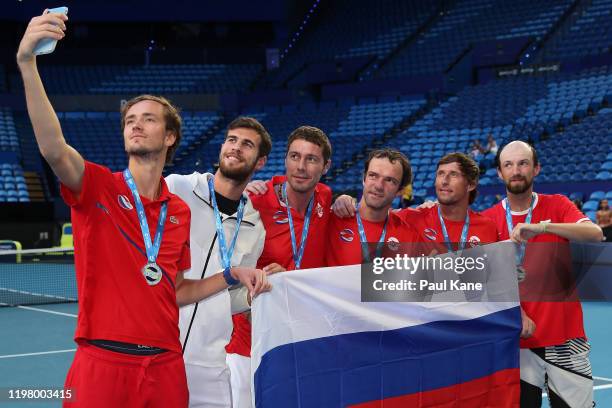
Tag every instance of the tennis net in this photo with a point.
(37, 276)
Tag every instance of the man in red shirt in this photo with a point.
(554, 350)
(451, 224)
(295, 211)
(130, 285)
(386, 172)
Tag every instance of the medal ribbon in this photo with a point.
(464, 232)
(152, 249)
(298, 253)
(226, 255)
(364, 240)
(521, 252)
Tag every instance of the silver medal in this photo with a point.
(521, 273)
(152, 273)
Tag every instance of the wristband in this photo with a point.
(229, 279)
(545, 224)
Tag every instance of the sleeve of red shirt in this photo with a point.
(326, 195)
(411, 241)
(569, 212)
(259, 203)
(185, 259)
(492, 235)
(409, 233)
(497, 232)
(94, 177)
(409, 216)
(491, 213)
(256, 199)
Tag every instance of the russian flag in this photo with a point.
(315, 344)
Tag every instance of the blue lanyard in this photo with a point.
(298, 253)
(151, 248)
(362, 235)
(226, 256)
(464, 232)
(521, 253)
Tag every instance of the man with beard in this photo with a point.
(554, 350)
(295, 211)
(130, 288)
(227, 235)
(386, 172)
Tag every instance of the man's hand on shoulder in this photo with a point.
(344, 206)
(257, 187)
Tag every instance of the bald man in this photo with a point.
(554, 349)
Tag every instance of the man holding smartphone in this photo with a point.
(130, 285)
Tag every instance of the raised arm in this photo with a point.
(66, 162)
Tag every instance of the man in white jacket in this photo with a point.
(226, 232)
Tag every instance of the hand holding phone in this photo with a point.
(47, 45)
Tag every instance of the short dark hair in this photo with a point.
(468, 167)
(313, 135)
(246, 122)
(171, 117)
(534, 153)
(393, 155)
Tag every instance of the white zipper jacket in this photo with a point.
(206, 327)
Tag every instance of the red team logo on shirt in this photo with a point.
(280, 217)
(124, 202)
(430, 234)
(319, 210)
(474, 241)
(393, 244)
(347, 235)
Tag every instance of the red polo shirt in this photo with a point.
(344, 242)
(115, 301)
(558, 321)
(278, 249)
(427, 223)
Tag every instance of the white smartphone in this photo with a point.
(47, 45)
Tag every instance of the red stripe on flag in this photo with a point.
(499, 390)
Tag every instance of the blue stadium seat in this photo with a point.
(576, 195)
(590, 205)
(604, 175)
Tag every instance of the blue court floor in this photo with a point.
(36, 349)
